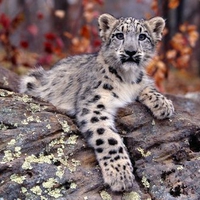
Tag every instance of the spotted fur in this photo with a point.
(92, 87)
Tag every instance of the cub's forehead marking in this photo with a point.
(130, 20)
(131, 24)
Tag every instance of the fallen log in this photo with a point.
(44, 156)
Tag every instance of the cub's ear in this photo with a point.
(106, 24)
(156, 26)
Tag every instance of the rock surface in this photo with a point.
(44, 156)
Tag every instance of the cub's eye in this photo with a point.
(119, 36)
(142, 37)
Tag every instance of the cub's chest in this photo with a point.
(128, 92)
(119, 94)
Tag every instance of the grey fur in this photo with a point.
(92, 87)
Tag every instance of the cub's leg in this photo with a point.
(97, 126)
(160, 106)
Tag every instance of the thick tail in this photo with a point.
(32, 81)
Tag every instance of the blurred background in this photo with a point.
(35, 32)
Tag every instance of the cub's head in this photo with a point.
(128, 42)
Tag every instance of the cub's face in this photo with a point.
(130, 42)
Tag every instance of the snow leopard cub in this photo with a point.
(93, 86)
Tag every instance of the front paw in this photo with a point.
(118, 178)
(117, 173)
(163, 108)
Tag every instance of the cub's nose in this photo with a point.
(130, 53)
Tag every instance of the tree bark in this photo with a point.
(44, 156)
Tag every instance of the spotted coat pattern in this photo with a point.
(92, 87)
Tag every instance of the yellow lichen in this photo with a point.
(33, 159)
(12, 142)
(27, 163)
(153, 123)
(64, 124)
(3, 127)
(50, 183)
(8, 156)
(23, 190)
(73, 185)
(70, 165)
(43, 198)
(25, 98)
(60, 152)
(37, 119)
(17, 152)
(48, 126)
(148, 153)
(50, 190)
(72, 139)
(59, 172)
(4, 93)
(131, 196)
(15, 124)
(56, 193)
(57, 141)
(35, 107)
(24, 122)
(75, 163)
(31, 119)
(64, 161)
(145, 182)
(180, 167)
(17, 178)
(36, 190)
(105, 196)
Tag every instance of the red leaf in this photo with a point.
(18, 19)
(59, 42)
(5, 21)
(172, 4)
(32, 29)
(100, 2)
(85, 32)
(97, 43)
(45, 60)
(50, 36)
(40, 15)
(24, 44)
(48, 47)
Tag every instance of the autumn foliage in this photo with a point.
(8, 27)
(176, 55)
(179, 50)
